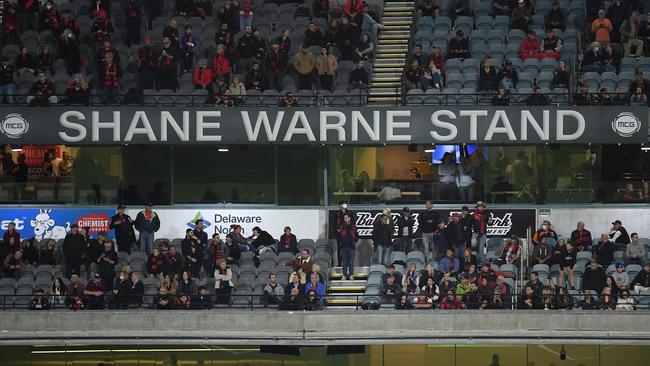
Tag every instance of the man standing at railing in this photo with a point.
(428, 222)
(147, 223)
(6, 81)
(74, 246)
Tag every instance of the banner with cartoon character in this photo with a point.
(54, 223)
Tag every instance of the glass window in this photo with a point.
(147, 174)
(571, 173)
(211, 174)
(300, 175)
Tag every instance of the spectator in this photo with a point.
(326, 69)
(631, 36)
(529, 300)
(57, 292)
(69, 50)
(635, 251)
(123, 226)
(639, 82)
(49, 254)
(347, 238)
(521, 17)
(564, 301)
(620, 276)
(451, 302)
(214, 253)
(184, 7)
(78, 90)
(313, 36)
(594, 277)
(157, 263)
(164, 301)
(535, 283)
(639, 98)
(618, 234)
(365, 48)
(463, 287)
(391, 290)
(405, 230)
(502, 7)
(69, 23)
(246, 14)
(106, 262)
(625, 301)
(461, 9)
(185, 284)
(382, 235)
(552, 45)
(229, 14)
(147, 223)
(390, 271)
(561, 76)
(537, 98)
(566, 266)
(246, 49)
(428, 295)
(501, 99)
(202, 300)
(644, 31)
(488, 78)
(581, 237)
(74, 299)
(276, 65)
(273, 292)
(171, 31)
(641, 281)
(44, 60)
(224, 37)
(102, 27)
(203, 78)
(262, 241)
(234, 253)
(109, 75)
(617, 13)
(438, 58)
(542, 254)
(605, 251)
(221, 67)
(288, 242)
(189, 43)
(583, 97)
(455, 235)
(223, 282)
(592, 7)
(167, 70)
(39, 301)
(315, 293)
(49, 17)
(289, 100)
(427, 222)
(556, 17)
(146, 64)
(13, 263)
(136, 289)
(30, 254)
(192, 253)
(320, 9)
(420, 55)
(604, 98)
(413, 76)
(353, 7)
(602, 28)
(431, 77)
(458, 47)
(508, 77)
(133, 14)
(304, 63)
(94, 293)
(359, 77)
(6, 81)
(449, 264)
(255, 78)
(530, 47)
(73, 248)
(595, 60)
(42, 92)
(510, 252)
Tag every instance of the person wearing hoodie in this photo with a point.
(594, 277)
(530, 47)
(620, 276)
(288, 242)
(304, 63)
(642, 280)
(147, 223)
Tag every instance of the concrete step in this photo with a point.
(384, 101)
(390, 62)
(385, 91)
(396, 41)
(397, 27)
(399, 35)
(400, 12)
(384, 68)
(397, 4)
(392, 18)
(383, 75)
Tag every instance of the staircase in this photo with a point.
(391, 53)
(346, 294)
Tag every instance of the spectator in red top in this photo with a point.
(146, 64)
(157, 263)
(221, 67)
(581, 238)
(223, 36)
(288, 242)
(168, 59)
(68, 22)
(203, 78)
(511, 251)
(438, 59)
(348, 239)
(530, 47)
(11, 233)
(276, 64)
(42, 92)
(10, 30)
(203, 8)
(25, 60)
(102, 27)
(482, 219)
(110, 77)
(450, 302)
(544, 232)
(352, 7)
(321, 8)
(228, 14)
(255, 78)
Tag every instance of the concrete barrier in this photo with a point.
(230, 327)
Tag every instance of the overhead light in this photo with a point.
(47, 352)
(223, 149)
(429, 150)
(17, 149)
(646, 149)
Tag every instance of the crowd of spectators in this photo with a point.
(614, 32)
(461, 273)
(72, 52)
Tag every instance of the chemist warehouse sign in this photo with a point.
(419, 125)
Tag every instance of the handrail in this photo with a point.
(573, 301)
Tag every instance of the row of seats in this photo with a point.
(470, 96)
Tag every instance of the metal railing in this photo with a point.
(404, 301)
(310, 99)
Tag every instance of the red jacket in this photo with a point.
(451, 304)
(202, 76)
(220, 65)
(353, 6)
(528, 45)
(7, 235)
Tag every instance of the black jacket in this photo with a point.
(455, 234)
(382, 234)
(594, 280)
(135, 292)
(74, 246)
(424, 217)
(124, 231)
(105, 268)
(203, 237)
(6, 75)
(263, 240)
(404, 222)
(642, 279)
(154, 225)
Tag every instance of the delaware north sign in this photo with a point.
(362, 126)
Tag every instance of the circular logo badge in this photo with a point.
(14, 126)
(626, 124)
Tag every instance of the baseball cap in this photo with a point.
(464, 208)
(617, 222)
(619, 265)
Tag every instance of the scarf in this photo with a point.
(247, 8)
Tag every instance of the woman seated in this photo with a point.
(488, 78)
(431, 77)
